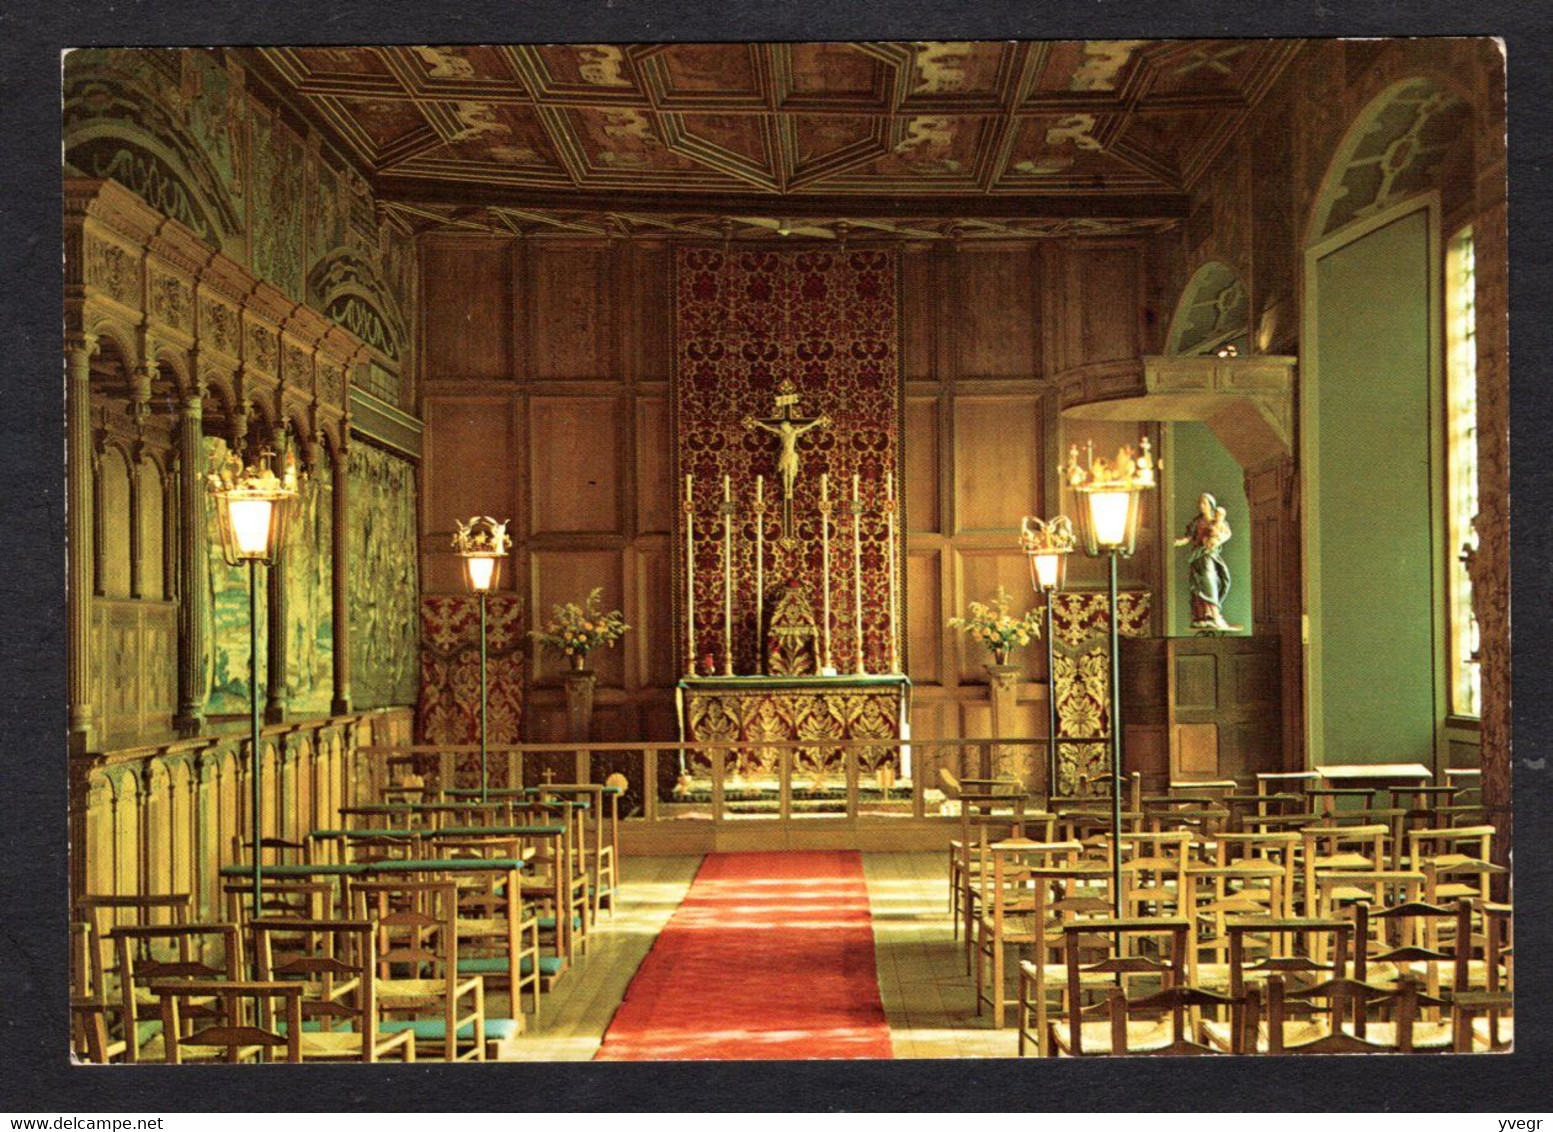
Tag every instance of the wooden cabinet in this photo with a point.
(1201, 707)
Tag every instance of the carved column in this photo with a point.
(340, 526)
(79, 558)
(1003, 691)
(193, 569)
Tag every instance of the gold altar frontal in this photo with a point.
(773, 708)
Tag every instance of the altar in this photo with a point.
(776, 708)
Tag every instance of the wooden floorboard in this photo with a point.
(929, 999)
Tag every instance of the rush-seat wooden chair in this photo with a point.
(334, 962)
(417, 959)
(227, 1029)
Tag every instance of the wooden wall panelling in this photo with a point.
(922, 458)
(994, 317)
(919, 315)
(575, 465)
(571, 335)
(999, 460)
(466, 304)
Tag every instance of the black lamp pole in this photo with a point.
(484, 777)
(256, 767)
(1051, 703)
(1116, 748)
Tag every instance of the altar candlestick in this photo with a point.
(857, 575)
(893, 565)
(690, 581)
(827, 666)
(727, 576)
(760, 566)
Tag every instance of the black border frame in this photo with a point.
(33, 975)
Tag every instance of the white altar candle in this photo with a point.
(727, 488)
(760, 489)
(855, 479)
(689, 478)
(824, 487)
(889, 486)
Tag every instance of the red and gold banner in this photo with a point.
(1082, 646)
(827, 321)
(449, 708)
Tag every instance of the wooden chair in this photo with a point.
(1064, 893)
(1157, 1023)
(599, 855)
(1323, 1029)
(334, 963)
(1013, 910)
(212, 1020)
(573, 921)
(102, 914)
(984, 819)
(498, 933)
(1458, 860)
(276, 850)
(160, 953)
(416, 933)
(1216, 893)
(300, 899)
(1485, 1019)
(89, 1006)
(1336, 848)
(1307, 948)
(1153, 870)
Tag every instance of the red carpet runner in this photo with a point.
(770, 956)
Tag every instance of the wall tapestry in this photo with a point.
(229, 616)
(310, 596)
(746, 321)
(449, 709)
(385, 585)
(1081, 638)
(178, 129)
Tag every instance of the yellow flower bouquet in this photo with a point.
(576, 630)
(995, 627)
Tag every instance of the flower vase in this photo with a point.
(579, 706)
(999, 656)
(579, 661)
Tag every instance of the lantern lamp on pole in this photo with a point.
(1110, 504)
(482, 543)
(253, 510)
(1047, 544)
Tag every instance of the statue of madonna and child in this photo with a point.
(1208, 579)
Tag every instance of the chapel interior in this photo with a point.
(787, 550)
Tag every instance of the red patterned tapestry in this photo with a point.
(449, 708)
(1082, 647)
(825, 320)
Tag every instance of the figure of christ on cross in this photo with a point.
(787, 428)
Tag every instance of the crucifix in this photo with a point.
(787, 427)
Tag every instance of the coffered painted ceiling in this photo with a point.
(820, 139)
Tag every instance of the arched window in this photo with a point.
(1461, 466)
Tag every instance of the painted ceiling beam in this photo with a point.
(1093, 204)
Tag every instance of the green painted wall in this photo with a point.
(1197, 463)
(1371, 407)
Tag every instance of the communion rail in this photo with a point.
(883, 793)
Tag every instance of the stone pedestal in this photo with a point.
(1003, 691)
(579, 705)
